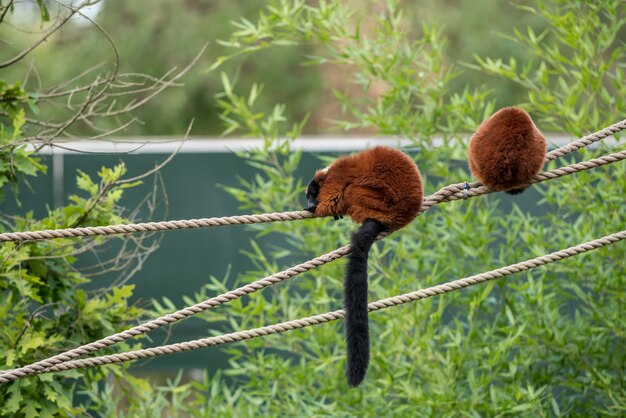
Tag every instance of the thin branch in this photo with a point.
(50, 256)
(76, 150)
(52, 29)
(31, 317)
(52, 93)
(64, 125)
(92, 205)
(109, 132)
(34, 121)
(108, 82)
(99, 99)
(163, 164)
(162, 87)
(10, 255)
(6, 10)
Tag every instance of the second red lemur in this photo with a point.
(507, 151)
(380, 188)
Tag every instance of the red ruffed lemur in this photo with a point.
(380, 188)
(507, 151)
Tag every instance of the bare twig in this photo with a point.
(99, 99)
(32, 122)
(56, 253)
(107, 84)
(31, 317)
(164, 163)
(6, 10)
(52, 29)
(162, 86)
(53, 92)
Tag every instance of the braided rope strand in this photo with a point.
(445, 194)
(91, 231)
(185, 313)
(330, 316)
(586, 141)
(460, 191)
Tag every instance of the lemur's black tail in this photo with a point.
(355, 302)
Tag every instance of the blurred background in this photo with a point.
(152, 38)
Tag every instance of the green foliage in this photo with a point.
(575, 78)
(236, 110)
(43, 11)
(45, 304)
(44, 310)
(15, 160)
(276, 161)
(12, 96)
(575, 83)
(410, 72)
(545, 343)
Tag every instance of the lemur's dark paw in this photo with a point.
(337, 217)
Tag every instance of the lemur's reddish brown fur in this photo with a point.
(381, 183)
(507, 151)
(381, 189)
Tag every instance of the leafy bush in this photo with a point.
(547, 342)
(43, 309)
(45, 304)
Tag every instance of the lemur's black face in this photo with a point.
(312, 192)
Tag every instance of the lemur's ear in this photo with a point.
(320, 175)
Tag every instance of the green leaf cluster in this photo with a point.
(15, 160)
(47, 304)
(575, 76)
(44, 306)
(403, 80)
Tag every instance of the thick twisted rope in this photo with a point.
(91, 231)
(245, 219)
(460, 191)
(586, 140)
(327, 317)
(39, 366)
(446, 194)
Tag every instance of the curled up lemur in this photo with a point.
(380, 188)
(507, 151)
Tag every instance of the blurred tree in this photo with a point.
(168, 31)
(151, 39)
(479, 28)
